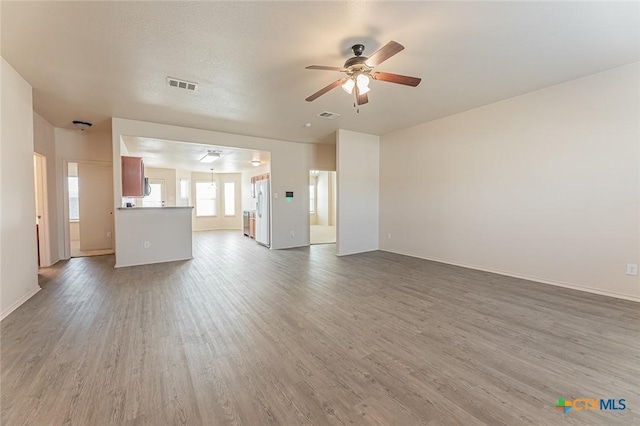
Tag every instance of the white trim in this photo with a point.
(66, 231)
(525, 277)
(151, 263)
(44, 234)
(358, 252)
(19, 302)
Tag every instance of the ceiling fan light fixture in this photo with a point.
(348, 85)
(362, 80)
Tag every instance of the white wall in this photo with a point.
(333, 202)
(18, 252)
(325, 198)
(358, 192)
(45, 144)
(313, 217)
(95, 207)
(290, 165)
(543, 186)
(323, 156)
(74, 231)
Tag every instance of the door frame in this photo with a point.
(66, 234)
(41, 195)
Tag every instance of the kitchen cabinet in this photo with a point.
(132, 177)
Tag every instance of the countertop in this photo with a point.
(155, 208)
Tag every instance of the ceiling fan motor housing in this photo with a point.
(356, 62)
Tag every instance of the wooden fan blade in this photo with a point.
(361, 98)
(323, 68)
(325, 90)
(396, 78)
(384, 53)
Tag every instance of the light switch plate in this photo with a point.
(632, 269)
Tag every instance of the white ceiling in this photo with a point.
(186, 155)
(94, 60)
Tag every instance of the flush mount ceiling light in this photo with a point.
(82, 125)
(210, 156)
(255, 163)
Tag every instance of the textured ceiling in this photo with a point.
(186, 155)
(94, 60)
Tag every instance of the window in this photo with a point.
(229, 199)
(184, 188)
(206, 199)
(74, 205)
(312, 198)
(183, 192)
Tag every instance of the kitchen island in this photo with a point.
(153, 235)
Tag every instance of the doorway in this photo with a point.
(157, 195)
(89, 202)
(42, 222)
(322, 207)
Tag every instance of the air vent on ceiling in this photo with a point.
(328, 115)
(181, 84)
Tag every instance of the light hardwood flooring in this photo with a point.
(246, 335)
(322, 234)
(76, 252)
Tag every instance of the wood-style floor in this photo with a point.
(76, 252)
(322, 234)
(246, 335)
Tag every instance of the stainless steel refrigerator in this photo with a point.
(262, 212)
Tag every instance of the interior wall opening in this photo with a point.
(322, 207)
(89, 209)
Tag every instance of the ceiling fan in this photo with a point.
(359, 70)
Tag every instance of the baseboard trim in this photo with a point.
(359, 252)
(151, 263)
(53, 262)
(525, 277)
(19, 302)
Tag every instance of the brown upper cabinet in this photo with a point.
(132, 177)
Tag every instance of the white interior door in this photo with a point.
(95, 186)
